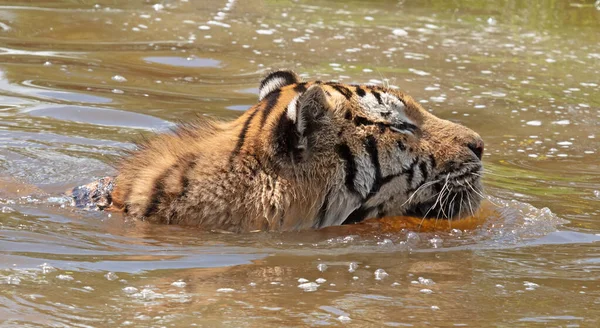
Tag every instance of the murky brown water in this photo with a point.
(79, 80)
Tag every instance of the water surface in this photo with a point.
(80, 81)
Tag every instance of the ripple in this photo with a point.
(183, 61)
(99, 116)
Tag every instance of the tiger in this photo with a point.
(308, 155)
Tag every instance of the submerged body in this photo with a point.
(308, 155)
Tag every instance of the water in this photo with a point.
(79, 81)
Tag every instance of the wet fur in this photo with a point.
(308, 155)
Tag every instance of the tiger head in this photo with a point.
(383, 154)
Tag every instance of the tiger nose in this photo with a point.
(476, 147)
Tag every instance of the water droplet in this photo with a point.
(322, 267)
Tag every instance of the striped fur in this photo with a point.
(308, 155)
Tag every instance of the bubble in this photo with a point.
(46, 268)
(65, 277)
(13, 280)
(534, 123)
(530, 285)
(418, 72)
(110, 276)
(265, 32)
(456, 232)
(309, 286)
(322, 267)
(412, 238)
(380, 274)
(130, 290)
(385, 242)
(225, 290)
(425, 281)
(436, 242)
(399, 32)
(6, 209)
(148, 294)
(179, 284)
(352, 266)
(119, 78)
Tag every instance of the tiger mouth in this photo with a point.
(455, 196)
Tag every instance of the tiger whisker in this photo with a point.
(439, 196)
(418, 189)
(470, 206)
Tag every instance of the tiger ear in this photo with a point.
(304, 115)
(276, 80)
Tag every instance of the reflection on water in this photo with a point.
(183, 62)
(80, 82)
